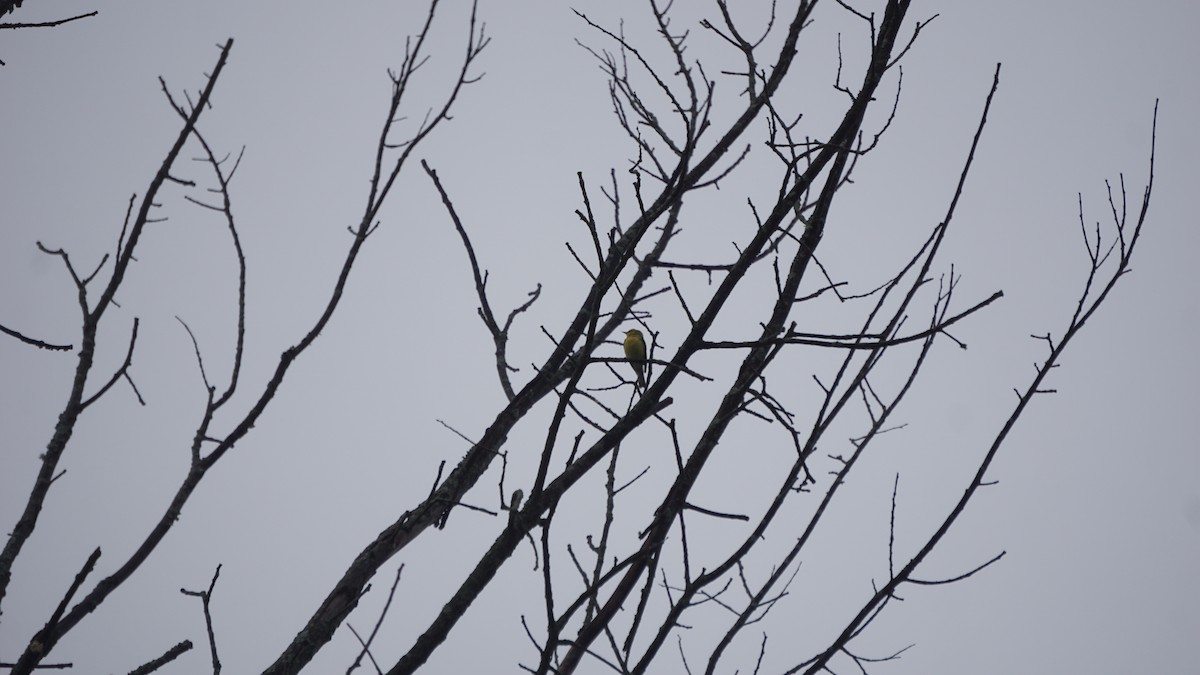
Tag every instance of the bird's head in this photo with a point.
(633, 332)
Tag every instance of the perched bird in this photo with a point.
(635, 351)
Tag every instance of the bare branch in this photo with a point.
(167, 657)
(34, 341)
(206, 599)
(47, 24)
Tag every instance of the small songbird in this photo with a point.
(635, 351)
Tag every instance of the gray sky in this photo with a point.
(1096, 505)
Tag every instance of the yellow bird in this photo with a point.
(635, 351)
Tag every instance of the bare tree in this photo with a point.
(646, 573)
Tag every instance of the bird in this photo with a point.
(635, 351)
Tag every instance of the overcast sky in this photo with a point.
(1097, 504)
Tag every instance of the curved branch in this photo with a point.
(34, 341)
